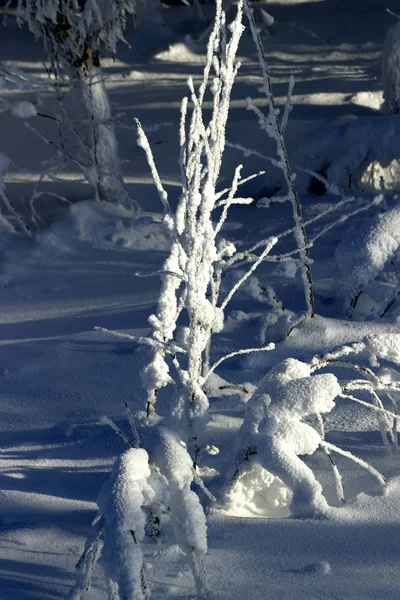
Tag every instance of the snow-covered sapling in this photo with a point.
(73, 34)
(190, 308)
(284, 421)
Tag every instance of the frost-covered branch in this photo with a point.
(356, 460)
(273, 128)
(217, 363)
(5, 220)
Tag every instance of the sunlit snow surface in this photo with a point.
(58, 375)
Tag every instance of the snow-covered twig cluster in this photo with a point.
(284, 422)
(379, 384)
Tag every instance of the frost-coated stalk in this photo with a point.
(378, 476)
(336, 474)
(84, 567)
(275, 129)
(4, 166)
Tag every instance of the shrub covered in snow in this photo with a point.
(144, 485)
(284, 423)
(274, 430)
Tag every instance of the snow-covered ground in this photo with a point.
(58, 375)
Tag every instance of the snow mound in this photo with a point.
(103, 225)
(369, 99)
(23, 110)
(182, 52)
(343, 152)
(258, 493)
(364, 252)
(385, 346)
(319, 568)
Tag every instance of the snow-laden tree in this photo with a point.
(73, 33)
